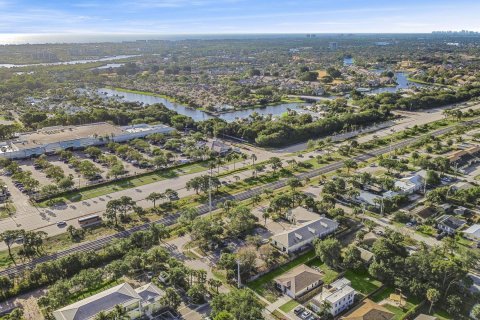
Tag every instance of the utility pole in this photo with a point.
(210, 193)
(382, 207)
(239, 279)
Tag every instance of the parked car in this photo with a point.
(61, 223)
(440, 236)
(298, 310)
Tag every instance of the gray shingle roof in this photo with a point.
(299, 278)
(308, 230)
(85, 309)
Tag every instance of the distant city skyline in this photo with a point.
(234, 16)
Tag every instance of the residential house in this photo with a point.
(410, 184)
(449, 224)
(369, 239)
(339, 295)
(366, 255)
(299, 281)
(425, 317)
(460, 210)
(424, 212)
(136, 303)
(373, 199)
(369, 310)
(473, 232)
(303, 235)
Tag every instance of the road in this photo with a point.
(29, 217)
(429, 241)
(204, 209)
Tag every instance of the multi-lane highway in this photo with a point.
(204, 209)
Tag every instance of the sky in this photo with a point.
(236, 16)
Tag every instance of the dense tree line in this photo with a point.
(48, 273)
(126, 113)
(428, 269)
(423, 100)
(290, 128)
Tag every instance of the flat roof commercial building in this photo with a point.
(53, 139)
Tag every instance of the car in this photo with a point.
(173, 197)
(300, 155)
(61, 223)
(409, 224)
(305, 314)
(298, 310)
(440, 236)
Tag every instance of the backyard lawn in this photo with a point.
(330, 275)
(362, 281)
(399, 312)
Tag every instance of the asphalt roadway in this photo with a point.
(204, 209)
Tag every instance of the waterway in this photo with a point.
(199, 115)
(6, 65)
(402, 83)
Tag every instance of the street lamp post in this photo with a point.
(239, 278)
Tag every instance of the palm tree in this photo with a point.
(256, 199)
(350, 164)
(119, 313)
(153, 197)
(102, 316)
(253, 157)
(432, 295)
(219, 162)
(234, 157)
(265, 216)
(214, 284)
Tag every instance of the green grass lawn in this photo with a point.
(330, 275)
(362, 281)
(399, 312)
(289, 306)
(426, 230)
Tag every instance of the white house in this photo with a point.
(303, 235)
(136, 303)
(449, 224)
(410, 184)
(473, 232)
(298, 281)
(374, 199)
(339, 295)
